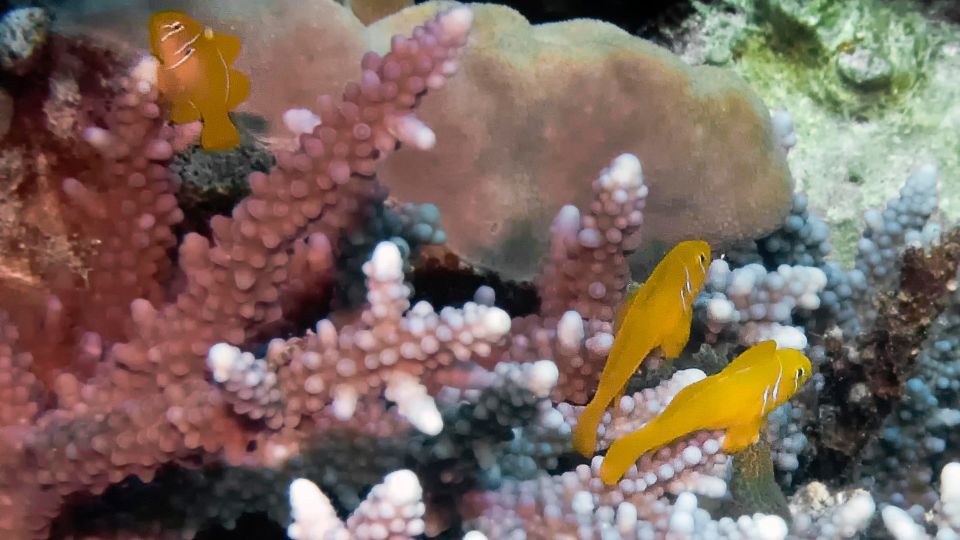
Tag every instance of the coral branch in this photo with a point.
(871, 376)
(388, 348)
(583, 281)
(392, 510)
(586, 269)
(150, 402)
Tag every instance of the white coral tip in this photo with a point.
(402, 488)
(485, 296)
(570, 330)
(771, 527)
(789, 337)
(497, 322)
(300, 121)
(900, 525)
(414, 403)
(721, 310)
(345, 399)
(625, 171)
(386, 263)
(221, 359)
(145, 73)
(305, 496)
(950, 482)
(457, 21)
(313, 515)
(408, 129)
(99, 138)
(543, 377)
(686, 377)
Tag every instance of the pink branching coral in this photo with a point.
(583, 281)
(391, 347)
(577, 503)
(392, 510)
(150, 400)
(174, 365)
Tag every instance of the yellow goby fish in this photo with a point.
(195, 76)
(737, 400)
(657, 314)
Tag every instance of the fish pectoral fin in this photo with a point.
(741, 436)
(183, 111)
(239, 89)
(676, 338)
(229, 47)
(218, 133)
(631, 295)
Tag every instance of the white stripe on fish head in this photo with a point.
(180, 62)
(766, 396)
(188, 43)
(175, 27)
(776, 387)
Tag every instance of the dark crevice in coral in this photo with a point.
(212, 183)
(647, 18)
(883, 359)
(132, 507)
(184, 498)
(450, 283)
(257, 525)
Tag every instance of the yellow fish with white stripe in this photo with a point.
(656, 314)
(195, 76)
(738, 400)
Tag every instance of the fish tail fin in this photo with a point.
(622, 362)
(585, 434)
(624, 452)
(219, 133)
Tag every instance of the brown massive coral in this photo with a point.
(536, 110)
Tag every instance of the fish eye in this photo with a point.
(800, 372)
(177, 25)
(702, 258)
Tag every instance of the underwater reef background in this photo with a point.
(381, 315)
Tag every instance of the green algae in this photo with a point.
(871, 86)
(855, 58)
(753, 487)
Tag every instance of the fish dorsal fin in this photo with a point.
(229, 46)
(629, 299)
(752, 356)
